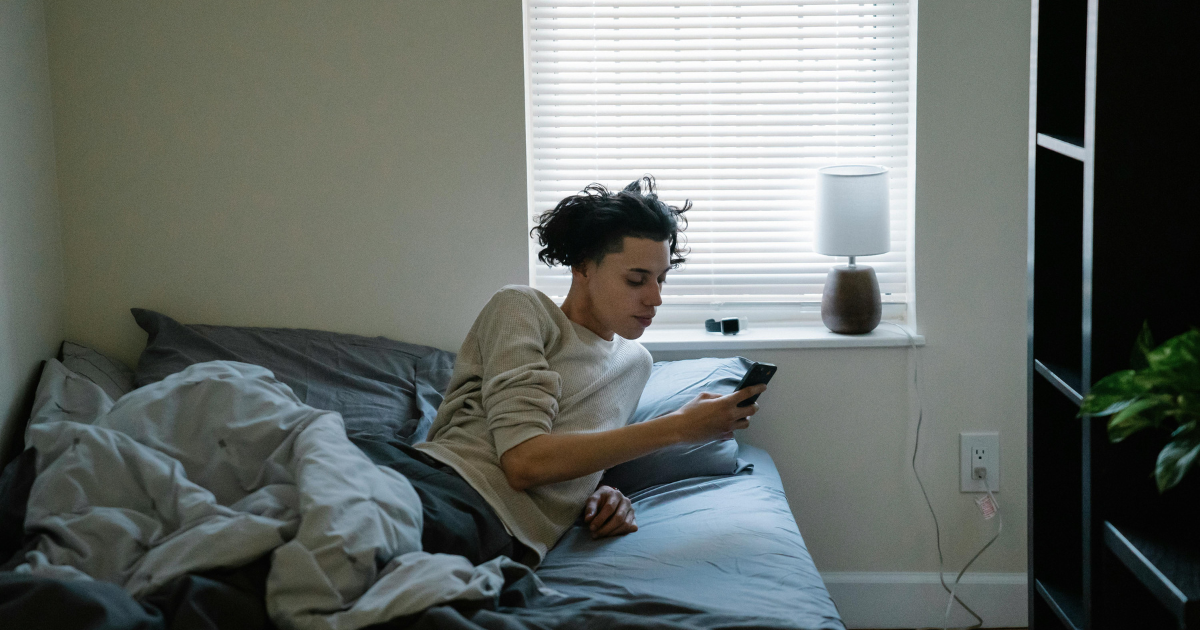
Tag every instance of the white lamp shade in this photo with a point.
(852, 211)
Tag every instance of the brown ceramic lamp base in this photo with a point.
(851, 304)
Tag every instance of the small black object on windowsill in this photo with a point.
(726, 326)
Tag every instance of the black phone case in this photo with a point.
(759, 374)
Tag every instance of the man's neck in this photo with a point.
(577, 308)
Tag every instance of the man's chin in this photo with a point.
(633, 333)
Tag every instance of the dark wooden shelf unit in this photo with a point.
(1058, 250)
(1059, 46)
(1130, 604)
(1069, 389)
(1057, 459)
(1168, 566)
(1069, 146)
(1066, 608)
(1114, 231)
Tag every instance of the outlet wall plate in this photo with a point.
(979, 449)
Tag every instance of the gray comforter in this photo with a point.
(216, 466)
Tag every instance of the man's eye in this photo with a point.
(635, 283)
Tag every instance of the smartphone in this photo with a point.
(758, 374)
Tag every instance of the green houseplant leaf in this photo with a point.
(1112, 394)
(1175, 460)
(1131, 419)
(1177, 356)
(1162, 391)
(1141, 348)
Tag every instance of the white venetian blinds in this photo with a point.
(732, 105)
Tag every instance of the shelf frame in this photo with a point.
(1030, 196)
(1062, 145)
(1058, 383)
(1185, 608)
(1068, 612)
(1092, 543)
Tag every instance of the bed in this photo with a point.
(717, 545)
(725, 544)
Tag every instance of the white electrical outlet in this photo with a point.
(979, 450)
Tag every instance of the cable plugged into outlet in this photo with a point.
(980, 461)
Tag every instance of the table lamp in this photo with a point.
(852, 220)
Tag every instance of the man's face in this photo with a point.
(625, 288)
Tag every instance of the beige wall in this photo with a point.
(356, 166)
(360, 167)
(31, 280)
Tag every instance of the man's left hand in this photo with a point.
(608, 513)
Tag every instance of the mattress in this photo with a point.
(723, 544)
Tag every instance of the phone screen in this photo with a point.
(758, 374)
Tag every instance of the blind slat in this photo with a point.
(704, 16)
(606, 26)
(825, 87)
(832, 112)
(844, 46)
(864, 68)
(670, 55)
(628, 175)
(832, 132)
(740, 99)
(702, 3)
(869, 76)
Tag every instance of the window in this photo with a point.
(732, 105)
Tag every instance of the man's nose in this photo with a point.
(655, 295)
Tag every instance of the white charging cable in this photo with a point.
(982, 474)
(937, 530)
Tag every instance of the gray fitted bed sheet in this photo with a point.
(724, 544)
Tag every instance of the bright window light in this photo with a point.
(733, 105)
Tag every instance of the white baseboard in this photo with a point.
(916, 600)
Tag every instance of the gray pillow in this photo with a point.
(673, 384)
(109, 374)
(384, 388)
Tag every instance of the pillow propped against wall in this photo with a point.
(672, 385)
(380, 386)
(109, 374)
(62, 395)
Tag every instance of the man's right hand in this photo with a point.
(554, 457)
(712, 416)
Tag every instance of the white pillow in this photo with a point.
(65, 395)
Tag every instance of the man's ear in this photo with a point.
(582, 269)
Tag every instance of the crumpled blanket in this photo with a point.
(218, 465)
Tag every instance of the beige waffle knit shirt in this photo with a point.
(524, 370)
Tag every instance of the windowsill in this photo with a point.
(769, 338)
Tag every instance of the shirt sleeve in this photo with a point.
(520, 392)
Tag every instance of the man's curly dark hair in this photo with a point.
(594, 223)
